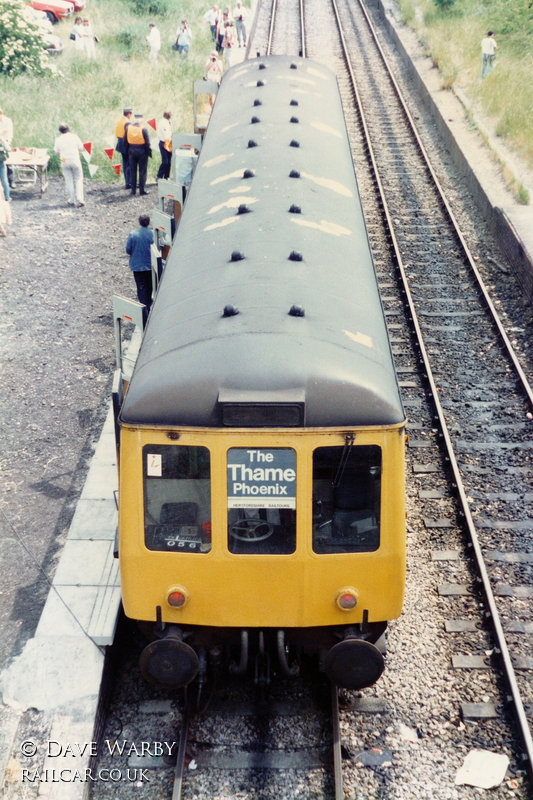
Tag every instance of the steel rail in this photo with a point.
(395, 252)
(337, 753)
(302, 30)
(273, 11)
(179, 769)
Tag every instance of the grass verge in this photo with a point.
(453, 35)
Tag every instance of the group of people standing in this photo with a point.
(83, 37)
(228, 28)
(133, 143)
(182, 44)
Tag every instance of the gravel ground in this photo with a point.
(59, 269)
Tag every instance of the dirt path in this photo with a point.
(59, 268)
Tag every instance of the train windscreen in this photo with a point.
(177, 498)
(346, 499)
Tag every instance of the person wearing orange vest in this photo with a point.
(138, 142)
(121, 146)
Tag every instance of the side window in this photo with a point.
(346, 499)
(262, 500)
(177, 498)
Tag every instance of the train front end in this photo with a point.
(279, 531)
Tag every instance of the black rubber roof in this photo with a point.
(291, 234)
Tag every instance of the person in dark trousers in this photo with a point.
(121, 146)
(139, 151)
(164, 133)
(138, 249)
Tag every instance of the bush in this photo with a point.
(516, 17)
(150, 7)
(125, 40)
(444, 5)
(522, 195)
(21, 43)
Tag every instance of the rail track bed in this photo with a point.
(281, 740)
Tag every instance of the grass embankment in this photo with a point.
(90, 95)
(452, 35)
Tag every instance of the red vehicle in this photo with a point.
(57, 9)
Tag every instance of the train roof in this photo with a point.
(272, 229)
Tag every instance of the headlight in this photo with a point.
(346, 599)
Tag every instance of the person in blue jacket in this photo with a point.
(138, 249)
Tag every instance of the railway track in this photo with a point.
(247, 739)
(267, 750)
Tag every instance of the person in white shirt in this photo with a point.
(239, 16)
(213, 72)
(184, 39)
(164, 134)
(211, 17)
(488, 53)
(87, 36)
(154, 40)
(77, 30)
(68, 147)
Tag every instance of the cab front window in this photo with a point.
(177, 498)
(346, 499)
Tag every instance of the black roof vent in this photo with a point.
(294, 119)
(237, 256)
(252, 143)
(293, 103)
(258, 103)
(294, 143)
(297, 311)
(294, 66)
(248, 173)
(254, 120)
(295, 209)
(262, 66)
(296, 256)
(259, 83)
(230, 311)
(294, 173)
(243, 209)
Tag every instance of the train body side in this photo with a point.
(263, 434)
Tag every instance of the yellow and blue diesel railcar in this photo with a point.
(262, 434)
